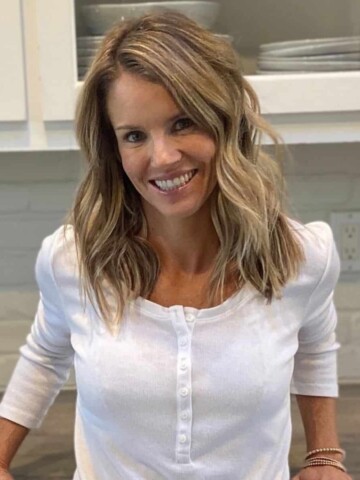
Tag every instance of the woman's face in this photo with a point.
(168, 159)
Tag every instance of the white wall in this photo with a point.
(37, 188)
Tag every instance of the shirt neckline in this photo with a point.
(223, 309)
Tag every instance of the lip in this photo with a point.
(174, 192)
(172, 175)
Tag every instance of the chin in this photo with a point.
(174, 211)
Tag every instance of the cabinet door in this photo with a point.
(12, 71)
(57, 56)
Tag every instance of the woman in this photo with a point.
(208, 304)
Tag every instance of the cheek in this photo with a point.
(130, 164)
(131, 173)
(135, 169)
(205, 150)
(125, 165)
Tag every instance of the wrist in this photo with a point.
(326, 456)
(336, 453)
(336, 456)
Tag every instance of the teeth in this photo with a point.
(175, 182)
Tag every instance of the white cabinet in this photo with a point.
(12, 71)
(13, 108)
(304, 108)
(57, 54)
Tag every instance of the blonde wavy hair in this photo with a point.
(202, 72)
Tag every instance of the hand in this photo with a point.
(5, 474)
(320, 473)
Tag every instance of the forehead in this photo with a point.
(131, 93)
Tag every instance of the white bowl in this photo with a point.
(99, 18)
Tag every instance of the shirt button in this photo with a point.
(189, 317)
(183, 366)
(183, 342)
(182, 438)
(184, 392)
(184, 416)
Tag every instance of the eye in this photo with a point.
(133, 137)
(183, 123)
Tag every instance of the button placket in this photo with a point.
(184, 329)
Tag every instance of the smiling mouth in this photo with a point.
(175, 183)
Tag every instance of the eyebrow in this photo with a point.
(134, 127)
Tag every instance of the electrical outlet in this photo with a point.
(350, 241)
(346, 230)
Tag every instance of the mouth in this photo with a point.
(176, 183)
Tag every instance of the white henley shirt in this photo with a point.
(180, 393)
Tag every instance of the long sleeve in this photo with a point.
(315, 369)
(46, 357)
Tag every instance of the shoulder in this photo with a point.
(322, 261)
(57, 257)
(316, 238)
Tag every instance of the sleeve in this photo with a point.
(46, 357)
(315, 365)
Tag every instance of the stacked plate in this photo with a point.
(86, 50)
(311, 55)
(100, 18)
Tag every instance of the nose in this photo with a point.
(164, 151)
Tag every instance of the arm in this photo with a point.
(319, 419)
(11, 437)
(315, 368)
(42, 368)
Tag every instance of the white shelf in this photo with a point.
(308, 108)
(308, 93)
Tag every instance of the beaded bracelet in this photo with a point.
(324, 461)
(326, 450)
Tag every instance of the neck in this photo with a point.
(185, 246)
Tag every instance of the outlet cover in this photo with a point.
(346, 229)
